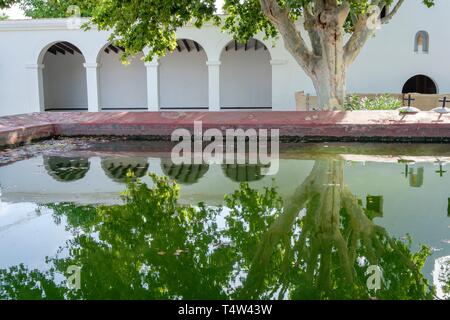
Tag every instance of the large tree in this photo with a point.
(325, 58)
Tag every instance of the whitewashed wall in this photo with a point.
(389, 60)
(384, 65)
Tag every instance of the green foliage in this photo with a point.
(20, 283)
(383, 102)
(7, 3)
(3, 16)
(38, 9)
(152, 23)
(152, 247)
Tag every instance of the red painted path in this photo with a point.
(359, 125)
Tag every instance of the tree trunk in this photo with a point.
(330, 69)
(327, 60)
(330, 85)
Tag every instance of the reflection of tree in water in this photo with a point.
(65, 169)
(118, 168)
(336, 244)
(316, 245)
(184, 173)
(244, 172)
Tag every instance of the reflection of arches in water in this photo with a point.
(117, 169)
(244, 172)
(416, 179)
(184, 173)
(66, 169)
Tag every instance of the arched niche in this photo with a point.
(422, 42)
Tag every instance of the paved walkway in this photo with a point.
(357, 126)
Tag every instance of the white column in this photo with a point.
(214, 85)
(35, 87)
(152, 85)
(280, 93)
(92, 86)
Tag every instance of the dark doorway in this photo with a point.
(420, 84)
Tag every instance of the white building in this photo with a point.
(46, 65)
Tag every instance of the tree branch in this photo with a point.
(292, 37)
(392, 13)
(309, 25)
(356, 42)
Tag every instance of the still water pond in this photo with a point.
(335, 222)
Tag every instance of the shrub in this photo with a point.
(384, 102)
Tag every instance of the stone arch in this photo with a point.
(246, 76)
(121, 86)
(63, 80)
(65, 169)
